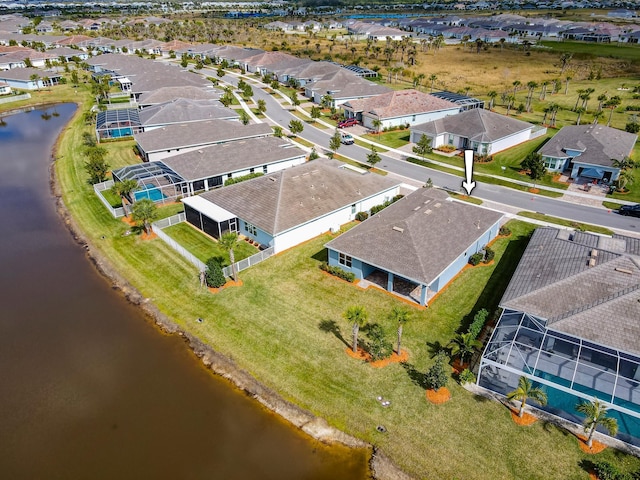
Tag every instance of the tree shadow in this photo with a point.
(417, 377)
(586, 465)
(330, 326)
(435, 348)
(321, 255)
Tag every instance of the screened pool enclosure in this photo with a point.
(113, 124)
(568, 368)
(156, 181)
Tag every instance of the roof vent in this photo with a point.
(428, 211)
(398, 229)
(592, 262)
(272, 179)
(438, 205)
(416, 209)
(624, 270)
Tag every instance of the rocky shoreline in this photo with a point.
(381, 466)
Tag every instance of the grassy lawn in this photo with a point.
(465, 198)
(567, 223)
(285, 327)
(633, 195)
(395, 139)
(588, 49)
(205, 247)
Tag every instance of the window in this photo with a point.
(264, 169)
(353, 209)
(451, 138)
(251, 170)
(344, 260)
(251, 229)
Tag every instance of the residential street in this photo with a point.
(493, 193)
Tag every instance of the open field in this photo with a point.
(630, 52)
(284, 326)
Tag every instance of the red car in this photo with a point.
(349, 122)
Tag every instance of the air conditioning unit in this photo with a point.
(335, 229)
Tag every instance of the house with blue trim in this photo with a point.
(287, 207)
(417, 244)
(588, 151)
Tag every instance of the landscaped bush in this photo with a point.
(466, 376)
(505, 231)
(231, 181)
(376, 208)
(362, 216)
(437, 377)
(397, 197)
(213, 275)
(476, 258)
(607, 471)
(489, 254)
(338, 272)
(379, 347)
(478, 322)
(446, 148)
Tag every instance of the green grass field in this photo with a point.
(566, 223)
(285, 327)
(628, 52)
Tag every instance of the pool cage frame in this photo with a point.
(523, 345)
(157, 181)
(126, 122)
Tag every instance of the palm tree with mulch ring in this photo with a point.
(123, 189)
(229, 241)
(463, 346)
(402, 316)
(144, 212)
(526, 391)
(357, 316)
(596, 413)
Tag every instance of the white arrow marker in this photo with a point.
(468, 184)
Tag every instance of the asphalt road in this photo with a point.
(514, 198)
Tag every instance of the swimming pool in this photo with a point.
(150, 192)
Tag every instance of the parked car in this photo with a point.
(631, 210)
(349, 122)
(346, 139)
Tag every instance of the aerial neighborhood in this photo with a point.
(299, 167)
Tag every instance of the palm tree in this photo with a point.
(596, 413)
(624, 164)
(625, 178)
(516, 84)
(229, 241)
(463, 345)
(377, 124)
(525, 391)
(432, 78)
(579, 111)
(492, 97)
(357, 316)
(611, 104)
(402, 316)
(531, 86)
(144, 212)
(510, 100)
(123, 189)
(567, 79)
(35, 78)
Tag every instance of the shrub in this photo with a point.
(379, 347)
(505, 231)
(437, 377)
(362, 216)
(489, 254)
(213, 275)
(476, 258)
(397, 197)
(605, 470)
(338, 272)
(478, 322)
(231, 181)
(466, 376)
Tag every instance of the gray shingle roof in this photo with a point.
(599, 144)
(286, 199)
(231, 157)
(477, 125)
(600, 303)
(166, 94)
(344, 84)
(417, 237)
(182, 110)
(200, 133)
(400, 103)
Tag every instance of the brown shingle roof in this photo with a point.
(399, 103)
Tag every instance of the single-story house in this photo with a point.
(5, 88)
(25, 78)
(209, 167)
(182, 110)
(417, 244)
(570, 324)
(479, 130)
(588, 151)
(398, 108)
(68, 54)
(167, 94)
(286, 208)
(342, 86)
(463, 101)
(172, 140)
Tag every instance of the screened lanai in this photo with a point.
(568, 368)
(157, 182)
(117, 123)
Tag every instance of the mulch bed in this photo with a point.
(230, 283)
(526, 419)
(148, 236)
(361, 354)
(443, 395)
(596, 447)
(534, 190)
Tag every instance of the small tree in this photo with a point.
(401, 315)
(373, 158)
(262, 106)
(463, 345)
(422, 147)
(294, 99)
(96, 165)
(123, 189)
(377, 124)
(296, 127)
(535, 165)
(229, 241)
(437, 377)
(379, 347)
(596, 413)
(313, 155)
(143, 213)
(244, 117)
(315, 113)
(525, 391)
(213, 274)
(277, 131)
(357, 316)
(334, 143)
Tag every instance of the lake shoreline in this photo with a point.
(381, 467)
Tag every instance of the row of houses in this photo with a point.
(15, 23)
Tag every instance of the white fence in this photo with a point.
(537, 131)
(167, 222)
(179, 218)
(15, 98)
(98, 188)
(249, 261)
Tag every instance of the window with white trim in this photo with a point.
(344, 260)
(250, 229)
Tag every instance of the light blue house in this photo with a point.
(417, 245)
(588, 151)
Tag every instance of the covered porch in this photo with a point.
(398, 286)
